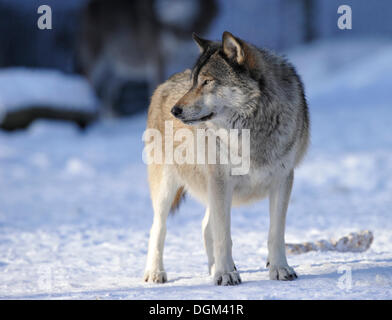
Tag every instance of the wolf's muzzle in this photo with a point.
(176, 111)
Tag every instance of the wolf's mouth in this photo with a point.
(205, 118)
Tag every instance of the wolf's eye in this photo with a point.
(207, 81)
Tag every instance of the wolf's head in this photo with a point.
(224, 83)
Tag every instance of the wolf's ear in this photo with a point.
(201, 43)
(232, 47)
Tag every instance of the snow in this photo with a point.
(75, 211)
(354, 242)
(25, 87)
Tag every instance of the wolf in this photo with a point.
(233, 85)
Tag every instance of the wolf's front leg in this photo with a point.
(219, 205)
(279, 200)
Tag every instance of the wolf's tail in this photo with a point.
(180, 195)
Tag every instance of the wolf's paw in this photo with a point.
(227, 278)
(156, 276)
(284, 273)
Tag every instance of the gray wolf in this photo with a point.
(232, 85)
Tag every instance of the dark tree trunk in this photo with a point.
(309, 14)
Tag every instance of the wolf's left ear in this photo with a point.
(201, 43)
(232, 47)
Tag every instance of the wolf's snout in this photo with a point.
(176, 111)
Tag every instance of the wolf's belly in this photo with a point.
(251, 187)
(246, 189)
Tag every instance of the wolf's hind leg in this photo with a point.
(279, 200)
(208, 241)
(163, 190)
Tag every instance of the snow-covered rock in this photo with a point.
(354, 242)
(23, 90)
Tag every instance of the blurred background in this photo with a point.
(75, 210)
(125, 48)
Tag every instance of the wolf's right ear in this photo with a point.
(233, 47)
(201, 43)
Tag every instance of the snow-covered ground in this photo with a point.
(75, 211)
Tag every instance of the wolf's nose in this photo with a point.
(176, 111)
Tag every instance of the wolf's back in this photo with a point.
(165, 97)
(288, 92)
